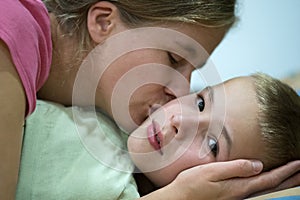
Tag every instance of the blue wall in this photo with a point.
(266, 39)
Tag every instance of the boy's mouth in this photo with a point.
(155, 136)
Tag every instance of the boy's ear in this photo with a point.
(101, 20)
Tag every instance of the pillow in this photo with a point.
(56, 163)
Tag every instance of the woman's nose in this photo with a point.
(179, 84)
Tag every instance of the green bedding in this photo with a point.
(57, 165)
(58, 161)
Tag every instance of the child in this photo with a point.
(56, 163)
(258, 118)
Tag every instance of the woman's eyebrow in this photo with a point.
(187, 47)
(200, 55)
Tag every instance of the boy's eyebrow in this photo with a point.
(227, 138)
(211, 94)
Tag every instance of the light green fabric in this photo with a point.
(57, 165)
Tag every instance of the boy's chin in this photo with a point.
(158, 179)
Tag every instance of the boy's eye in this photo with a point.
(213, 146)
(200, 104)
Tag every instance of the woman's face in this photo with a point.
(139, 81)
(218, 124)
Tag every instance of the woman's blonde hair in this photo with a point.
(72, 14)
(279, 120)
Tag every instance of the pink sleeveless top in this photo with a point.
(25, 28)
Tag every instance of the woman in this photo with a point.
(42, 53)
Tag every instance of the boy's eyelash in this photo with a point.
(200, 102)
(216, 152)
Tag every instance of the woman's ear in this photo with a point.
(101, 20)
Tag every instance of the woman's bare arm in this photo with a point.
(236, 179)
(12, 112)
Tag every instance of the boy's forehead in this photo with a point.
(239, 80)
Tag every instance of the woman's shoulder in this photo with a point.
(26, 31)
(23, 13)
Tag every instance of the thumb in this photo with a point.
(232, 169)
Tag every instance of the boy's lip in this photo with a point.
(155, 136)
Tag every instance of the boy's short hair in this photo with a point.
(279, 120)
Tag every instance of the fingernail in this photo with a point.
(257, 166)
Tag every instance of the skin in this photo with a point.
(183, 128)
(12, 100)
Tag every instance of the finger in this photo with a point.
(289, 183)
(293, 181)
(276, 177)
(219, 171)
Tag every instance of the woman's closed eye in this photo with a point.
(172, 59)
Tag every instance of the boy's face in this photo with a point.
(218, 124)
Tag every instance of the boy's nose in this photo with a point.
(188, 124)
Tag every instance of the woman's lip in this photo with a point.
(155, 136)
